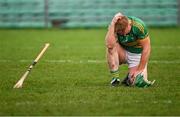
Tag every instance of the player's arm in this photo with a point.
(110, 36)
(145, 43)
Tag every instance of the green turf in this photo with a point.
(72, 77)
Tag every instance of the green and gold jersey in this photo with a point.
(138, 31)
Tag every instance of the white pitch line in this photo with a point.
(86, 61)
(165, 61)
(166, 47)
(76, 61)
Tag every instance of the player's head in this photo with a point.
(122, 26)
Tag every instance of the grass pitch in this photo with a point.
(72, 78)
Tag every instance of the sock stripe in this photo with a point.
(115, 74)
(114, 71)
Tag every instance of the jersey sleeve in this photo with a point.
(141, 30)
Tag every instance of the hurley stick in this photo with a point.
(21, 80)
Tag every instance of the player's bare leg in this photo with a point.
(115, 57)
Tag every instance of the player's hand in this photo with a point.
(135, 73)
(133, 76)
(116, 17)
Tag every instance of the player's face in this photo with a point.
(125, 31)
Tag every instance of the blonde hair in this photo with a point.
(121, 24)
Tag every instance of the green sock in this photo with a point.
(115, 74)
